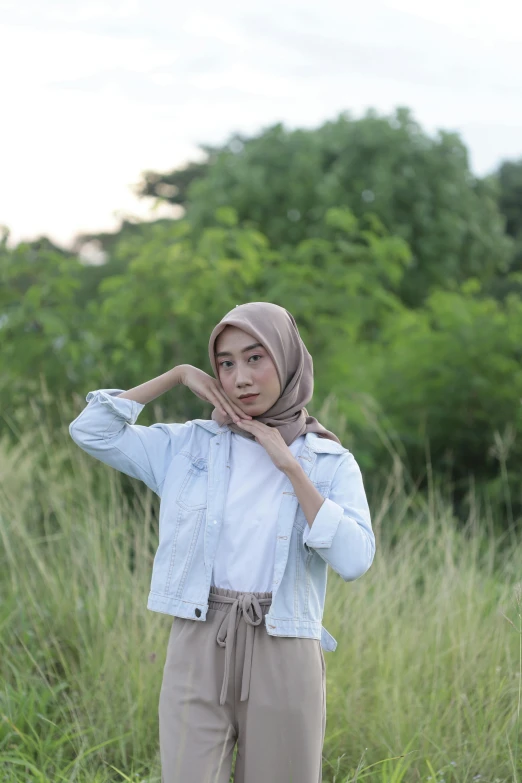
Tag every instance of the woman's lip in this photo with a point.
(250, 397)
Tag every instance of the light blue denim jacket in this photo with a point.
(187, 466)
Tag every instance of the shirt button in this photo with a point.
(215, 521)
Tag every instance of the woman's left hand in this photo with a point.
(271, 439)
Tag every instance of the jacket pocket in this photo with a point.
(192, 493)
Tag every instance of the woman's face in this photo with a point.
(249, 371)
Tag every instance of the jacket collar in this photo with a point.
(312, 440)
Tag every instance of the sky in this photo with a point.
(94, 92)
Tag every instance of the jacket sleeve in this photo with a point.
(105, 429)
(342, 531)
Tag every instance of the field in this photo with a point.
(425, 684)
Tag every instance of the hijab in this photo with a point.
(276, 329)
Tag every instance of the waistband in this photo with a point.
(252, 607)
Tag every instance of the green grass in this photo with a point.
(425, 684)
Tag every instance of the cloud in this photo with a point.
(101, 91)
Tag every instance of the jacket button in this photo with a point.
(197, 612)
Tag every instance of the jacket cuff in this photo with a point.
(324, 526)
(126, 409)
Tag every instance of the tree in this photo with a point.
(283, 182)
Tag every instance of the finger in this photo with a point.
(218, 402)
(225, 407)
(235, 410)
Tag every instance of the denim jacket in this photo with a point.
(187, 466)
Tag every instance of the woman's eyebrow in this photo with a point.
(248, 348)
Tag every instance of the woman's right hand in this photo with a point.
(209, 389)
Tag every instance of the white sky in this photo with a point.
(95, 92)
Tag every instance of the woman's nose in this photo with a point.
(241, 377)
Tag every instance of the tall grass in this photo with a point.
(425, 684)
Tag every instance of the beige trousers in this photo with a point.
(226, 680)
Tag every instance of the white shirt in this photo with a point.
(245, 552)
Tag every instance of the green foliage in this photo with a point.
(510, 196)
(390, 255)
(177, 283)
(452, 373)
(39, 317)
(508, 184)
(283, 182)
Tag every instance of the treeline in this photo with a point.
(402, 269)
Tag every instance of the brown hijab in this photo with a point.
(276, 329)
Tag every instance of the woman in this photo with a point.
(255, 504)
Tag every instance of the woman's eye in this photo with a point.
(255, 355)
